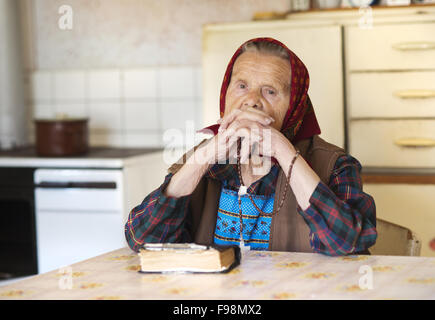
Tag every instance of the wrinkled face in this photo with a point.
(260, 81)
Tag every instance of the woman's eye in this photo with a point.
(242, 86)
(270, 92)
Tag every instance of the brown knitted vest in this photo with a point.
(289, 231)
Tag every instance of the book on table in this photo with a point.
(187, 257)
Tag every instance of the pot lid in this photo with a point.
(61, 117)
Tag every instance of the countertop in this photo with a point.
(101, 157)
(261, 275)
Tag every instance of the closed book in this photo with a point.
(187, 258)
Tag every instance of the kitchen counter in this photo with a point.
(261, 275)
(98, 157)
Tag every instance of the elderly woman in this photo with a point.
(310, 197)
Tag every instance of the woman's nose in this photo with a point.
(253, 101)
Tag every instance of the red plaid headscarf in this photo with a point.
(300, 121)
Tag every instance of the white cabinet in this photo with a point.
(80, 204)
(391, 111)
(319, 48)
(391, 94)
(81, 212)
(403, 143)
(407, 46)
(409, 205)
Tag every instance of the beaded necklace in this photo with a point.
(243, 190)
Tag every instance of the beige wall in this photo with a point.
(122, 63)
(129, 33)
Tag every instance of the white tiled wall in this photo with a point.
(125, 107)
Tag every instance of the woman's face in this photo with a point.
(260, 81)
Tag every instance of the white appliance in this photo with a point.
(79, 215)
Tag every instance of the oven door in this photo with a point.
(79, 215)
(17, 223)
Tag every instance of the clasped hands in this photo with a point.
(258, 136)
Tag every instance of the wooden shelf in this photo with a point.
(398, 178)
(375, 7)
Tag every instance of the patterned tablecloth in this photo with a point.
(261, 275)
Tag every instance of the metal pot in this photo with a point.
(61, 136)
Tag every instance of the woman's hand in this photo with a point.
(245, 125)
(255, 126)
(247, 114)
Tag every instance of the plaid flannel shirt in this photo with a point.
(341, 217)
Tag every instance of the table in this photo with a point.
(262, 275)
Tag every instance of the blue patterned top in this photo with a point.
(256, 227)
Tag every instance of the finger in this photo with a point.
(228, 119)
(236, 130)
(244, 154)
(247, 134)
(245, 123)
(256, 115)
(251, 148)
(249, 138)
(264, 149)
(233, 153)
(250, 115)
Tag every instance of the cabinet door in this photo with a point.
(318, 47)
(407, 46)
(407, 205)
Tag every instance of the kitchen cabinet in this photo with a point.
(391, 108)
(78, 206)
(391, 95)
(409, 205)
(394, 87)
(325, 70)
(391, 46)
(404, 143)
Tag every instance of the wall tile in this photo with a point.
(140, 83)
(41, 86)
(176, 82)
(176, 113)
(97, 139)
(199, 113)
(104, 84)
(141, 116)
(197, 73)
(130, 107)
(71, 109)
(69, 85)
(43, 110)
(105, 117)
(143, 139)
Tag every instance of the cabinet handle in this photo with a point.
(415, 142)
(415, 94)
(405, 46)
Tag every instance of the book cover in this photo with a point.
(167, 254)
